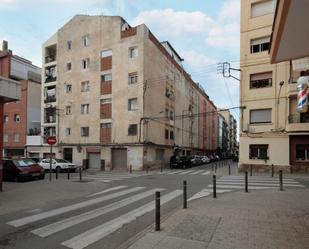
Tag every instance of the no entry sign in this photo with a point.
(51, 140)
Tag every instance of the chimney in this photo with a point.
(5, 45)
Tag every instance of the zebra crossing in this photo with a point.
(186, 172)
(59, 220)
(229, 183)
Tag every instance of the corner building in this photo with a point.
(114, 96)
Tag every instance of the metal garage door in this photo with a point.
(119, 159)
(94, 160)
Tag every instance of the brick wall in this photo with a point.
(128, 33)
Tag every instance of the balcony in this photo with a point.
(50, 74)
(50, 115)
(291, 89)
(50, 99)
(298, 122)
(50, 54)
(33, 140)
(10, 90)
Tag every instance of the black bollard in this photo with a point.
(216, 168)
(281, 180)
(184, 194)
(130, 168)
(68, 174)
(229, 169)
(57, 172)
(147, 169)
(214, 182)
(251, 170)
(157, 211)
(246, 181)
(272, 170)
(80, 174)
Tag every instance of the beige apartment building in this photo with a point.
(270, 125)
(115, 97)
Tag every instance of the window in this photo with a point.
(6, 118)
(68, 110)
(262, 8)
(106, 53)
(85, 63)
(68, 88)
(258, 151)
(16, 137)
(260, 80)
(160, 154)
(106, 77)
(166, 134)
(133, 78)
(17, 118)
(132, 130)
(68, 132)
(133, 52)
(69, 66)
(302, 152)
(84, 131)
(172, 135)
(5, 138)
(85, 41)
(171, 115)
(85, 86)
(69, 45)
(85, 109)
(132, 104)
(260, 116)
(106, 125)
(260, 45)
(106, 101)
(167, 113)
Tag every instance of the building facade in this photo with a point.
(21, 118)
(115, 97)
(270, 124)
(223, 137)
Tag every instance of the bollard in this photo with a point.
(216, 168)
(80, 174)
(250, 169)
(68, 174)
(214, 182)
(212, 166)
(147, 169)
(1, 189)
(272, 170)
(57, 172)
(291, 170)
(229, 169)
(281, 180)
(157, 211)
(246, 181)
(130, 169)
(184, 194)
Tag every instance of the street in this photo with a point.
(115, 208)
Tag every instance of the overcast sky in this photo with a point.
(203, 32)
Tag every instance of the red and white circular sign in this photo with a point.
(51, 140)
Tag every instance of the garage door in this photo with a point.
(94, 160)
(119, 159)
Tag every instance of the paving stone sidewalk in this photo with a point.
(263, 219)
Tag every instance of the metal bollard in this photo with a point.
(229, 169)
(80, 174)
(250, 169)
(130, 169)
(57, 172)
(184, 194)
(246, 181)
(214, 182)
(157, 211)
(281, 180)
(272, 170)
(68, 174)
(147, 169)
(216, 168)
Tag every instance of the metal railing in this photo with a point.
(299, 118)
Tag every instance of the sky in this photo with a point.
(203, 32)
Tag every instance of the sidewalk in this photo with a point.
(263, 219)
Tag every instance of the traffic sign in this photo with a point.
(51, 140)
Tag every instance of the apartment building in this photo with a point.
(222, 136)
(21, 118)
(231, 125)
(289, 43)
(115, 97)
(9, 91)
(267, 93)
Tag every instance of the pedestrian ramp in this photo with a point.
(129, 203)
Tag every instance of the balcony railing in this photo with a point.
(50, 119)
(50, 79)
(299, 118)
(50, 58)
(50, 99)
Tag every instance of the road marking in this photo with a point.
(259, 184)
(175, 172)
(107, 190)
(94, 179)
(205, 192)
(186, 172)
(256, 178)
(206, 173)
(69, 222)
(54, 212)
(197, 172)
(91, 236)
(252, 180)
(239, 187)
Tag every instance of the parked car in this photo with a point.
(196, 160)
(182, 162)
(217, 158)
(211, 158)
(35, 159)
(21, 169)
(58, 164)
(205, 159)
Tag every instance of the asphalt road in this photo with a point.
(110, 215)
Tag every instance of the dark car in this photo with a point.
(21, 169)
(182, 162)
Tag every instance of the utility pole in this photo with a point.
(225, 69)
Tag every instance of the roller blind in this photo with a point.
(260, 116)
(261, 76)
(262, 8)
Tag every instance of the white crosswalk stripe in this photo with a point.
(107, 190)
(91, 236)
(206, 173)
(197, 172)
(186, 172)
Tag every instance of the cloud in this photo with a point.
(173, 24)
(224, 35)
(195, 60)
(230, 10)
